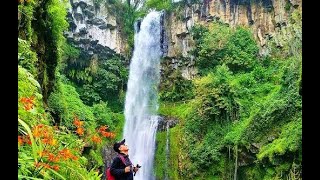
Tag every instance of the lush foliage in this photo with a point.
(26, 57)
(175, 87)
(127, 14)
(245, 117)
(65, 102)
(239, 119)
(47, 149)
(159, 5)
(97, 79)
(59, 137)
(220, 45)
(40, 37)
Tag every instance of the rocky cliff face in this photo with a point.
(96, 31)
(93, 29)
(266, 18)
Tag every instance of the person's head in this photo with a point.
(120, 147)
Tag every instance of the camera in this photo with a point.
(138, 166)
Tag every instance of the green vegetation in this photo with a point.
(220, 45)
(177, 89)
(159, 5)
(239, 118)
(96, 79)
(244, 118)
(127, 14)
(160, 155)
(45, 151)
(61, 129)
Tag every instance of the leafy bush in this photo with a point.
(289, 140)
(218, 44)
(66, 103)
(26, 57)
(29, 97)
(241, 50)
(103, 114)
(176, 88)
(159, 5)
(96, 79)
(45, 151)
(244, 107)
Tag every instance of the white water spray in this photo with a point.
(141, 103)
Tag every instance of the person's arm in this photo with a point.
(115, 167)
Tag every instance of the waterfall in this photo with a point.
(141, 103)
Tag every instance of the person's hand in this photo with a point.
(135, 169)
(127, 169)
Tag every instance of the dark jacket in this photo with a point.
(117, 168)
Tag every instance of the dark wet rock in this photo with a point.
(82, 4)
(108, 154)
(98, 21)
(254, 148)
(104, 26)
(75, 5)
(93, 43)
(83, 31)
(89, 13)
(78, 16)
(89, 21)
(182, 35)
(111, 26)
(85, 41)
(164, 121)
(90, 8)
(245, 158)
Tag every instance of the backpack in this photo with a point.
(108, 172)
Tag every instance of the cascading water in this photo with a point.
(141, 103)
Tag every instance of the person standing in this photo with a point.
(122, 167)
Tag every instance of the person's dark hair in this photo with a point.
(117, 145)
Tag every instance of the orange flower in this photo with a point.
(113, 135)
(96, 139)
(36, 132)
(46, 166)
(103, 128)
(45, 140)
(103, 133)
(55, 167)
(37, 164)
(45, 152)
(27, 139)
(28, 107)
(52, 142)
(52, 157)
(77, 122)
(20, 140)
(80, 131)
(65, 153)
(74, 158)
(27, 102)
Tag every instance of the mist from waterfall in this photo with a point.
(141, 103)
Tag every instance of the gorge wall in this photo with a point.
(268, 19)
(95, 29)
